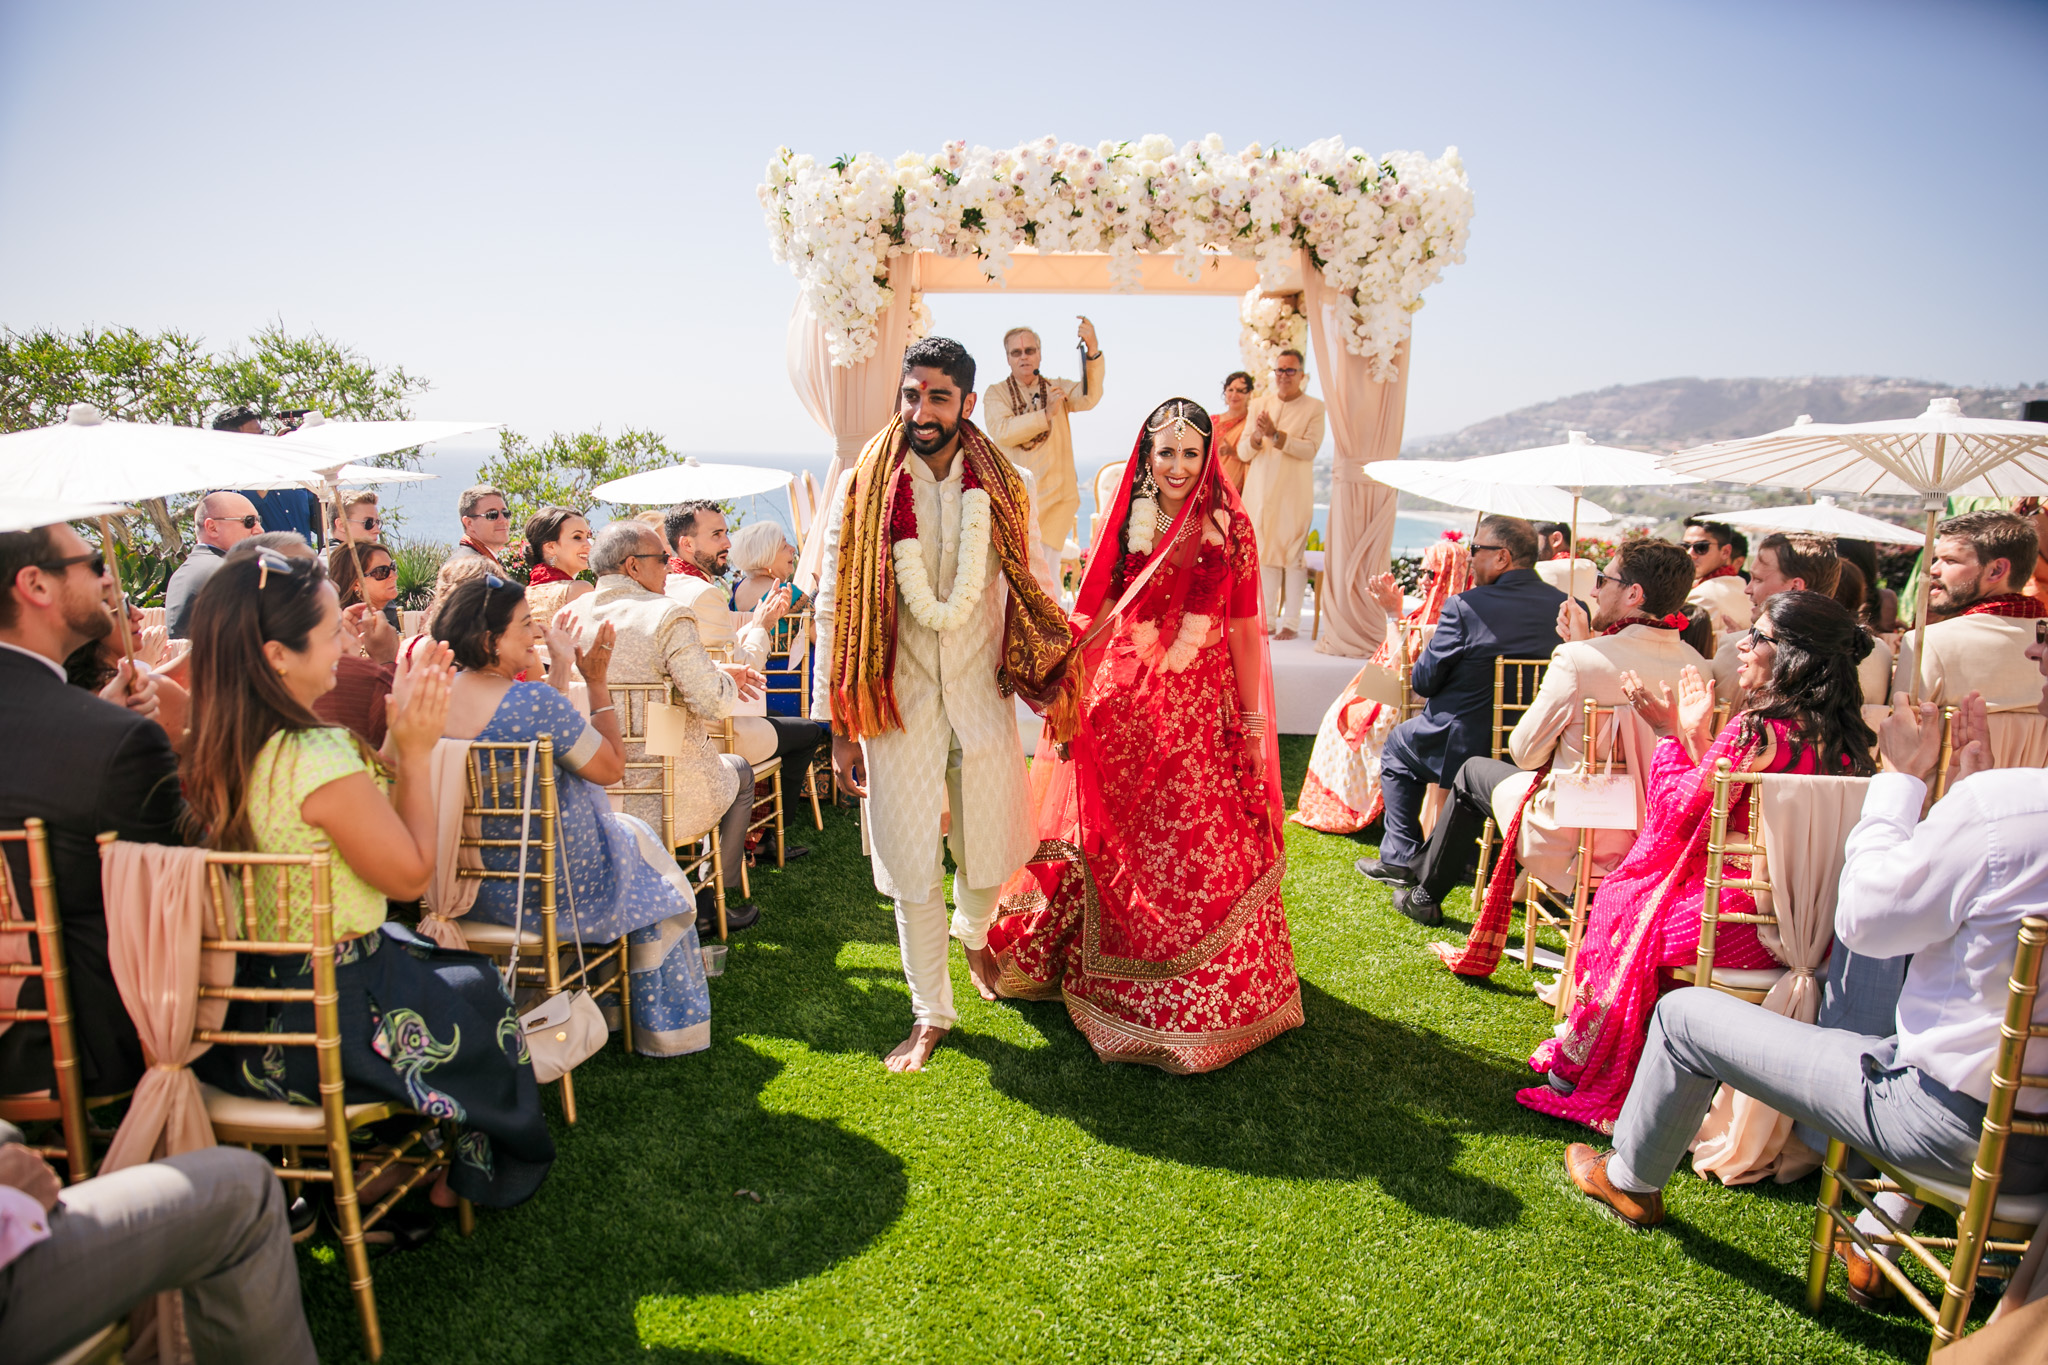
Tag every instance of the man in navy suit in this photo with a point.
(1508, 612)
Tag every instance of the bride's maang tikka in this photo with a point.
(1177, 414)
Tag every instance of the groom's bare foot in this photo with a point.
(913, 1052)
(982, 968)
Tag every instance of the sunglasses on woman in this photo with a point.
(382, 573)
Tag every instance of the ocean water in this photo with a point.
(426, 511)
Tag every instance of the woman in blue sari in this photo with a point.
(617, 881)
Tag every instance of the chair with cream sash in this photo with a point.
(1986, 1221)
(65, 1102)
(640, 707)
(168, 998)
(1515, 683)
(517, 781)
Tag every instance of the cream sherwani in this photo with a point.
(1554, 728)
(1280, 496)
(1051, 462)
(1573, 578)
(958, 758)
(1967, 654)
(1726, 596)
(719, 626)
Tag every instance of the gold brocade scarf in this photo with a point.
(1039, 663)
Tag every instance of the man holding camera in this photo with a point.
(1026, 415)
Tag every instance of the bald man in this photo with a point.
(222, 521)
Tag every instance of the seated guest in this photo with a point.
(1950, 891)
(1558, 566)
(557, 549)
(1341, 792)
(765, 559)
(1875, 673)
(96, 665)
(1805, 716)
(702, 556)
(221, 522)
(616, 879)
(1880, 604)
(1635, 603)
(1798, 562)
(1981, 625)
(420, 1025)
(1509, 612)
(656, 641)
(83, 764)
(377, 589)
(211, 1223)
(1717, 583)
(355, 519)
(486, 526)
(369, 653)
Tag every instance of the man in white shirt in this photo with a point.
(1718, 589)
(1950, 890)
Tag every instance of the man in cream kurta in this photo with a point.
(1026, 415)
(1978, 557)
(953, 777)
(1718, 590)
(701, 543)
(1282, 433)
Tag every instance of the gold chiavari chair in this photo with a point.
(1984, 1220)
(66, 1106)
(499, 775)
(1752, 986)
(767, 810)
(699, 861)
(791, 639)
(2028, 716)
(1560, 908)
(1515, 682)
(313, 1139)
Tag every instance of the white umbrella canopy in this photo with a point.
(1447, 481)
(25, 514)
(1822, 517)
(362, 440)
(88, 458)
(1938, 455)
(693, 479)
(348, 476)
(1578, 464)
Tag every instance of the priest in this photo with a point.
(1027, 419)
(1278, 445)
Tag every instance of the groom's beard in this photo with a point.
(929, 438)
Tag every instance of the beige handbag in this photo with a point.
(567, 1027)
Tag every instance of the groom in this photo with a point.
(934, 605)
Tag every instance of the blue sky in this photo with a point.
(550, 210)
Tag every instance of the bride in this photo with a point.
(1153, 904)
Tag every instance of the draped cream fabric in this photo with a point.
(851, 402)
(1806, 823)
(1365, 425)
(450, 894)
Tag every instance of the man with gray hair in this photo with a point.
(486, 524)
(657, 642)
(222, 521)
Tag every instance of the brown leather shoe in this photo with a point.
(1588, 1170)
(1867, 1286)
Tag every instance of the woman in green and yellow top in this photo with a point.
(419, 1024)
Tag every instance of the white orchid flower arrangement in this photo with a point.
(1380, 229)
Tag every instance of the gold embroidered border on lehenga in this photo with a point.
(1181, 1053)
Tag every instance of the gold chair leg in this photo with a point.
(1830, 1202)
(718, 879)
(568, 1084)
(780, 861)
(465, 1217)
(348, 1216)
(811, 790)
(1485, 866)
(626, 989)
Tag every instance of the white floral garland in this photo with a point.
(970, 578)
(1268, 326)
(1380, 229)
(1143, 520)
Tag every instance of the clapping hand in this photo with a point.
(1909, 739)
(1385, 591)
(771, 607)
(595, 663)
(417, 707)
(1263, 426)
(152, 643)
(1970, 741)
(1657, 709)
(1572, 623)
(1695, 711)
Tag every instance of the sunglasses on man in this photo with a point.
(249, 523)
(367, 524)
(495, 514)
(96, 560)
(1700, 547)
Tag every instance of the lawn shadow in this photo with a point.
(1348, 1096)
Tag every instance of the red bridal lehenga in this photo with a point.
(1152, 906)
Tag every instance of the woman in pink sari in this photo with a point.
(1798, 669)
(1153, 904)
(1341, 794)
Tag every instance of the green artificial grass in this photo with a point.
(1362, 1188)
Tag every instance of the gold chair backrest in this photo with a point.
(791, 631)
(1726, 783)
(2033, 752)
(632, 701)
(45, 922)
(1514, 690)
(497, 779)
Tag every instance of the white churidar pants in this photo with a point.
(1284, 589)
(922, 928)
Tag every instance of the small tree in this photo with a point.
(563, 470)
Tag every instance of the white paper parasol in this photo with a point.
(1937, 455)
(88, 458)
(362, 440)
(1822, 517)
(1580, 463)
(692, 479)
(1447, 481)
(25, 514)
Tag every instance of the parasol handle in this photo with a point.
(120, 597)
(1920, 610)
